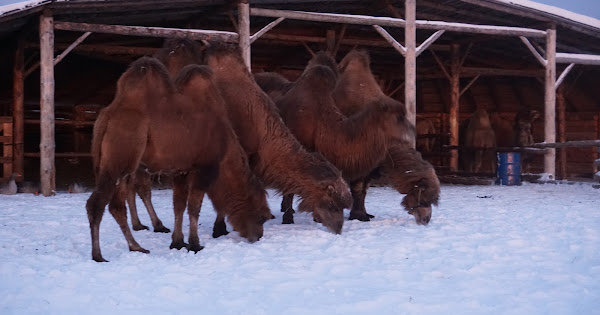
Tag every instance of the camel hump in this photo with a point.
(142, 72)
(319, 78)
(323, 58)
(191, 71)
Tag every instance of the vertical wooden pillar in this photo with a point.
(454, 104)
(550, 103)
(244, 31)
(18, 109)
(330, 41)
(562, 136)
(47, 141)
(410, 63)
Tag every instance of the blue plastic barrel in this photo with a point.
(509, 168)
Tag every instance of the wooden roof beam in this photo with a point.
(148, 31)
(396, 22)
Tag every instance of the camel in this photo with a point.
(275, 156)
(149, 124)
(356, 145)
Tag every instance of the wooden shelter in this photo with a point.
(443, 59)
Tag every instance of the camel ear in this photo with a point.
(330, 190)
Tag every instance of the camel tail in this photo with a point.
(98, 136)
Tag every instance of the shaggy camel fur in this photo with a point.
(275, 155)
(480, 140)
(356, 90)
(405, 170)
(356, 145)
(149, 124)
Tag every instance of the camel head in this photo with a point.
(420, 199)
(329, 203)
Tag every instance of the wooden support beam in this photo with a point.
(410, 63)
(474, 71)
(465, 55)
(396, 89)
(550, 103)
(468, 85)
(396, 22)
(532, 49)
(562, 135)
(563, 75)
(339, 40)
(244, 31)
(310, 51)
(580, 59)
(441, 64)
(454, 104)
(428, 42)
(60, 57)
(265, 29)
(161, 32)
(19, 108)
(390, 39)
(330, 41)
(47, 140)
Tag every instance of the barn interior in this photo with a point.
(497, 72)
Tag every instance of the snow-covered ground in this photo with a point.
(533, 249)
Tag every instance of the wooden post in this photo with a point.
(562, 137)
(244, 31)
(330, 41)
(550, 103)
(410, 63)
(47, 142)
(18, 109)
(454, 103)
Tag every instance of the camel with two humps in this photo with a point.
(356, 145)
(275, 155)
(150, 125)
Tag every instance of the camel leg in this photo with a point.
(286, 206)
(95, 205)
(117, 208)
(358, 211)
(194, 205)
(143, 186)
(219, 228)
(180, 194)
(286, 203)
(135, 219)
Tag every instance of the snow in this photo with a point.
(530, 249)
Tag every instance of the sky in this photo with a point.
(585, 7)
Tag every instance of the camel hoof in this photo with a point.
(287, 220)
(99, 259)
(195, 248)
(370, 216)
(140, 227)
(161, 229)
(139, 249)
(364, 217)
(219, 232)
(177, 245)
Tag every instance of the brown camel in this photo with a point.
(149, 124)
(425, 127)
(235, 175)
(405, 170)
(523, 135)
(356, 90)
(356, 145)
(274, 84)
(480, 142)
(275, 155)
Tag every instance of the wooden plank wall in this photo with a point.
(6, 140)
